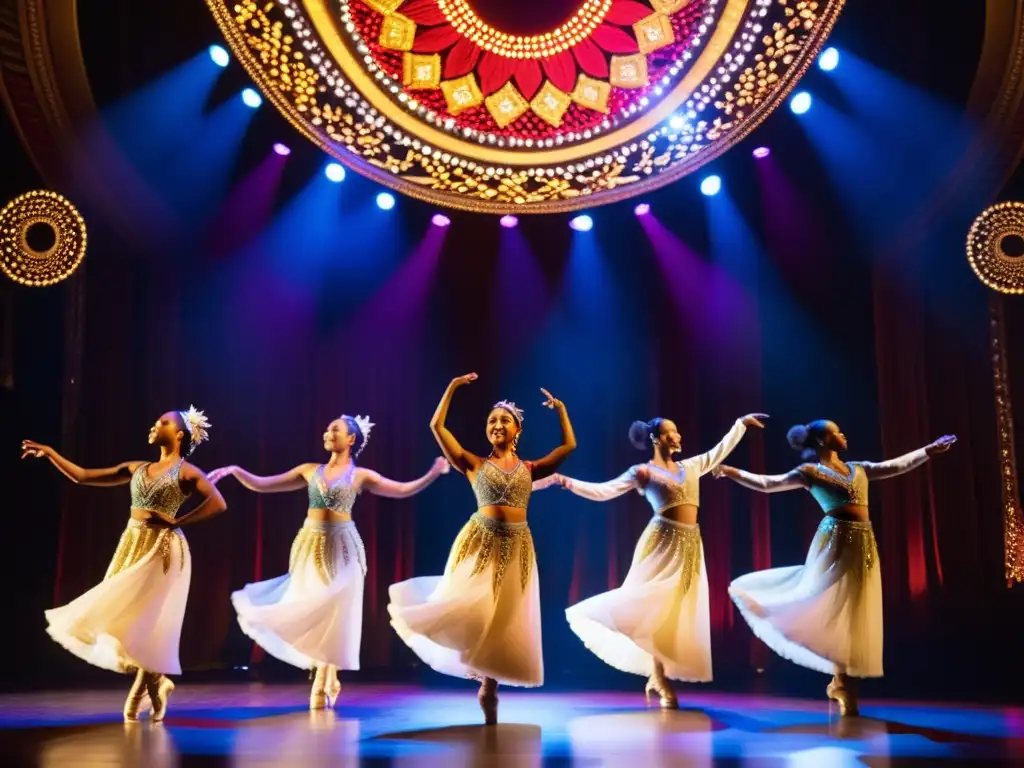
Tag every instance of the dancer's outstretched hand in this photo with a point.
(551, 401)
(548, 482)
(755, 420)
(33, 450)
(219, 474)
(441, 466)
(724, 470)
(461, 381)
(941, 445)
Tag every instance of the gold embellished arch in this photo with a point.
(623, 97)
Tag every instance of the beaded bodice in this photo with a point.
(833, 490)
(161, 494)
(667, 489)
(494, 487)
(339, 496)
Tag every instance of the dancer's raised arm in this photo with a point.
(105, 477)
(791, 481)
(706, 462)
(292, 480)
(460, 458)
(633, 479)
(881, 470)
(378, 485)
(546, 466)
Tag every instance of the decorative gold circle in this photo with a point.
(996, 268)
(25, 265)
(464, 19)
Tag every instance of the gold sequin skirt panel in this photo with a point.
(660, 613)
(481, 618)
(827, 613)
(133, 617)
(313, 614)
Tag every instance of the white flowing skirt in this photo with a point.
(132, 619)
(313, 614)
(827, 613)
(660, 613)
(482, 617)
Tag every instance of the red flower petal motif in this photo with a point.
(591, 58)
(461, 59)
(623, 12)
(426, 13)
(494, 72)
(614, 39)
(528, 77)
(561, 70)
(435, 39)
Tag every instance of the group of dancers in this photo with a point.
(481, 619)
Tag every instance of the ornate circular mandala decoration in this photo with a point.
(995, 247)
(427, 97)
(42, 238)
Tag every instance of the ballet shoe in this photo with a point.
(488, 698)
(136, 696)
(666, 696)
(845, 698)
(160, 688)
(332, 690)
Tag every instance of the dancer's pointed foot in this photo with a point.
(488, 698)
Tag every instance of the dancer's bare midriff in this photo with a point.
(504, 514)
(857, 513)
(684, 513)
(328, 516)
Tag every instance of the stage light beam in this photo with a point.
(508, 221)
(282, 149)
(335, 172)
(711, 186)
(440, 220)
(800, 103)
(219, 56)
(582, 223)
(642, 209)
(251, 98)
(829, 59)
(761, 152)
(385, 201)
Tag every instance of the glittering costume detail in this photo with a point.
(841, 540)
(317, 541)
(139, 539)
(667, 490)
(494, 487)
(479, 535)
(681, 543)
(832, 490)
(161, 494)
(339, 496)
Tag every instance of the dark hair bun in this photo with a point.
(640, 434)
(797, 437)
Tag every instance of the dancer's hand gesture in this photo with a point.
(551, 401)
(724, 470)
(755, 420)
(33, 450)
(219, 474)
(461, 381)
(941, 445)
(441, 466)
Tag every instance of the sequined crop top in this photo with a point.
(339, 496)
(161, 494)
(831, 489)
(665, 489)
(494, 487)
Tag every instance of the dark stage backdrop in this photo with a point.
(700, 322)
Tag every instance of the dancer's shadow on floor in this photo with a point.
(863, 728)
(512, 744)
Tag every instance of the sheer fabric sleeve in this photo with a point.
(893, 467)
(612, 489)
(705, 462)
(791, 481)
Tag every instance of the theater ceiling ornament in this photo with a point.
(427, 97)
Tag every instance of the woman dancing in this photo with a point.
(312, 617)
(481, 619)
(131, 621)
(827, 613)
(657, 623)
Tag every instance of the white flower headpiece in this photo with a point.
(512, 408)
(364, 425)
(197, 424)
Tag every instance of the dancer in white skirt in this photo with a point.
(131, 621)
(827, 613)
(481, 619)
(312, 617)
(657, 623)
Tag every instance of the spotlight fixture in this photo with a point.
(219, 55)
(508, 221)
(281, 149)
(711, 186)
(582, 223)
(251, 98)
(829, 59)
(642, 209)
(677, 123)
(761, 152)
(440, 220)
(800, 103)
(385, 201)
(335, 172)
